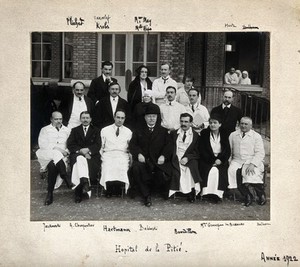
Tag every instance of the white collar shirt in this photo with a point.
(159, 86)
(170, 114)
(78, 107)
(114, 103)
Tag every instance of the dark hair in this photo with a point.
(188, 77)
(114, 83)
(183, 115)
(107, 63)
(170, 86)
(78, 82)
(166, 64)
(216, 117)
(138, 70)
(84, 112)
(120, 110)
(194, 89)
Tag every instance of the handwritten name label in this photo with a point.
(165, 248)
(229, 25)
(81, 225)
(285, 258)
(220, 225)
(249, 26)
(102, 22)
(262, 224)
(147, 228)
(143, 23)
(51, 226)
(75, 21)
(115, 229)
(185, 231)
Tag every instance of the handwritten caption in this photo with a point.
(102, 22)
(74, 21)
(275, 258)
(143, 23)
(244, 27)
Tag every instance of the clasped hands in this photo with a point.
(160, 160)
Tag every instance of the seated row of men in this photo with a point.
(174, 159)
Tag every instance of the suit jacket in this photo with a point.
(192, 155)
(134, 92)
(103, 115)
(152, 146)
(207, 157)
(99, 89)
(230, 119)
(92, 140)
(66, 107)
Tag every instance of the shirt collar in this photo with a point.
(223, 106)
(116, 98)
(115, 126)
(104, 77)
(77, 98)
(189, 131)
(172, 103)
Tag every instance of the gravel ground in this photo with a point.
(116, 208)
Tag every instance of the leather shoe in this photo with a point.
(49, 199)
(262, 200)
(148, 202)
(191, 197)
(248, 200)
(78, 199)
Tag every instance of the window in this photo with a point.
(67, 67)
(41, 54)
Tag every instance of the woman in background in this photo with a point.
(138, 86)
(245, 79)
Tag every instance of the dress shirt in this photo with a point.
(224, 106)
(170, 114)
(249, 149)
(114, 103)
(215, 143)
(182, 146)
(159, 86)
(143, 89)
(78, 107)
(49, 137)
(87, 128)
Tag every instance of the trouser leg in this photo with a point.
(142, 178)
(114, 187)
(52, 174)
(61, 166)
(259, 189)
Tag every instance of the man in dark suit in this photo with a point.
(99, 86)
(229, 114)
(84, 144)
(151, 150)
(107, 106)
(72, 106)
(186, 178)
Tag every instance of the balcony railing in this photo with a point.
(253, 106)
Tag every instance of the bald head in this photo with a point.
(228, 97)
(56, 119)
(245, 124)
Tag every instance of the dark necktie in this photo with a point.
(79, 98)
(170, 103)
(150, 129)
(118, 131)
(243, 135)
(226, 109)
(184, 136)
(165, 79)
(107, 81)
(57, 129)
(193, 109)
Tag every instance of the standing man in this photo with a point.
(151, 150)
(107, 106)
(84, 145)
(99, 86)
(247, 155)
(72, 106)
(186, 178)
(52, 152)
(160, 85)
(115, 155)
(171, 110)
(231, 77)
(229, 113)
(199, 112)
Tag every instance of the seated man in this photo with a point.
(72, 105)
(171, 110)
(151, 150)
(247, 155)
(115, 156)
(186, 177)
(52, 152)
(84, 144)
(199, 112)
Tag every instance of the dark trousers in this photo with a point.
(53, 171)
(244, 188)
(147, 180)
(114, 187)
